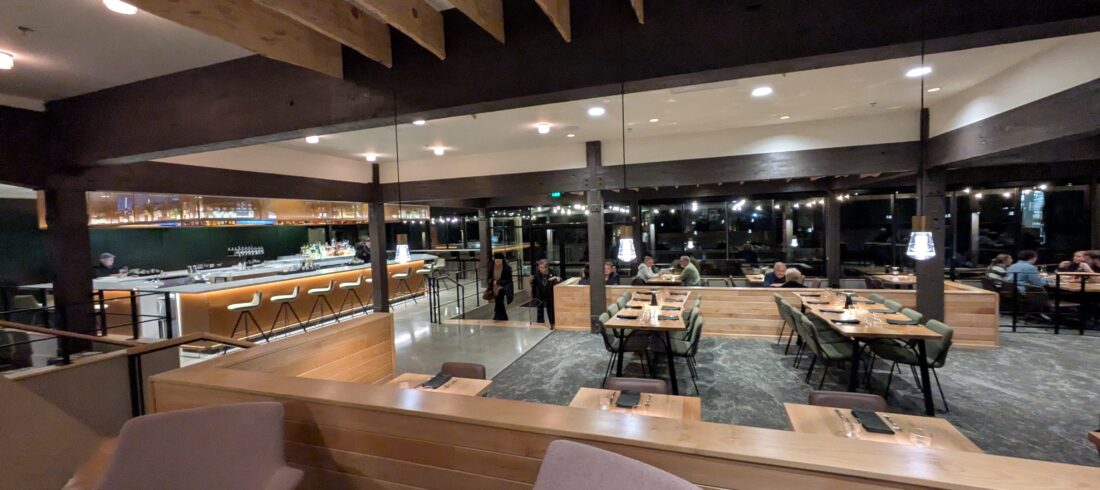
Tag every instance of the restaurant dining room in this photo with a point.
(549, 244)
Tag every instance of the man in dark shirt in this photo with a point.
(106, 266)
(777, 276)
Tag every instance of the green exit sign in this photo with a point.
(555, 195)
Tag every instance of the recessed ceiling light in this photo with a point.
(544, 128)
(570, 135)
(784, 117)
(439, 151)
(918, 72)
(313, 139)
(934, 89)
(596, 111)
(372, 157)
(7, 61)
(761, 91)
(654, 120)
(420, 122)
(120, 7)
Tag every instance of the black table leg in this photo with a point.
(925, 383)
(671, 364)
(853, 377)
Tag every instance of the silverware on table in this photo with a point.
(648, 399)
(893, 425)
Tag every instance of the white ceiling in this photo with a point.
(78, 46)
(866, 89)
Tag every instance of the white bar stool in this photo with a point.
(351, 289)
(245, 310)
(402, 278)
(286, 309)
(322, 295)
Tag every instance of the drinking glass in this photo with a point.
(605, 401)
(920, 437)
(850, 430)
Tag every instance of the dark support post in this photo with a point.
(930, 190)
(378, 264)
(1094, 197)
(636, 227)
(833, 265)
(485, 246)
(597, 296)
(70, 252)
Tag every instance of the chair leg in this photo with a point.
(694, 375)
(782, 327)
(824, 374)
(237, 325)
(316, 302)
(362, 307)
(258, 326)
(607, 372)
(409, 289)
(290, 309)
(946, 409)
(813, 362)
(333, 310)
(275, 320)
(790, 337)
(889, 380)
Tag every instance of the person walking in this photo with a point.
(501, 287)
(542, 291)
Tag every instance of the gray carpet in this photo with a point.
(1036, 396)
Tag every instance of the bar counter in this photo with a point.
(751, 312)
(203, 306)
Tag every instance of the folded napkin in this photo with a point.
(633, 307)
(849, 321)
(667, 317)
(817, 302)
(863, 301)
(627, 317)
(674, 293)
(672, 300)
(898, 321)
(808, 295)
(670, 308)
(831, 311)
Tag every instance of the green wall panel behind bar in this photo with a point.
(176, 248)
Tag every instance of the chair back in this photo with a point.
(844, 399)
(621, 302)
(569, 465)
(849, 283)
(893, 305)
(608, 337)
(806, 330)
(912, 314)
(643, 385)
(221, 446)
(257, 298)
(877, 298)
(1036, 298)
(613, 309)
(463, 370)
(637, 281)
(937, 349)
(875, 283)
(690, 317)
(696, 334)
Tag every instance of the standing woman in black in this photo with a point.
(542, 290)
(502, 286)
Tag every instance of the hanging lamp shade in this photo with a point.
(403, 249)
(691, 244)
(794, 242)
(627, 253)
(921, 245)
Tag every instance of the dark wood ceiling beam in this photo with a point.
(340, 22)
(255, 28)
(489, 14)
(558, 12)
(1065, 116)
(171, 178)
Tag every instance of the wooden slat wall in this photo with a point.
(751, 312)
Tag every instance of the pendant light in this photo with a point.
(403, 256)
(794, 242)
(690, 244)
(626, 245)
(921, 244)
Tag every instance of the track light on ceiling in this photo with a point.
(762, 91)
(313, 140)
(120, 7)
(919, 71)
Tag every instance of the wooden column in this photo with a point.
(485, 250)
(833, 264)
(379, 269)
(597, 296)
(636, 227)
(70, 252)
(930, 192)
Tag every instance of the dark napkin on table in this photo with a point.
(675, 293)
(808, 295)
(626, 317)
(898, 321)
(667, 317)
(633, 307)
(849, 321)
(670, 308)
(816, 302)
(831, 311)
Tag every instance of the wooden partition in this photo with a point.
(364, 436)
(751, 312)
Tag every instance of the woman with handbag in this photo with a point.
(500, 288)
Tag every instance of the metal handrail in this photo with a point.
(435, 304)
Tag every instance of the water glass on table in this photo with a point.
(605, 400)
(920, 437)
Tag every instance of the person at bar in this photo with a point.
(777, 276)
(542, 290)
(610, 275)
(362, 249)
(998, 268)
(793, 279)
(1024, 272)
(106, 266)
(584, 276)
(502, 287)
(689, 275)
(646, 271)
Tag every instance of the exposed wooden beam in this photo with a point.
(414, 18)
(489, 14)
(250, 26)
(639, 10)
(558, 12)
(341, 22)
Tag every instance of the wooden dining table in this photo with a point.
(456, 386)
(666, 279)
(668, 318)
(897, 280)
(652, 405)
(863, 312)
(811, 419)
(755, 278)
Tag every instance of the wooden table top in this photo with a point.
(661, 325)
(664, 279)
(1071, 281)
(864, 329)
(903, 279)
(456, 386)
(666, 406)
(754, 277)
(809, 419)
(1094, 437)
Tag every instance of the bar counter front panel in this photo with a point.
(751, 312)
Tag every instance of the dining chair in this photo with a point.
(613, 309)
(464, 370)
(569, 465)
(912, 314)
(901, 353)
(849, 283)
(828, 345)
(641, 385)
(877, 298)
(635, 343)
(844, 399)
(894, 306)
